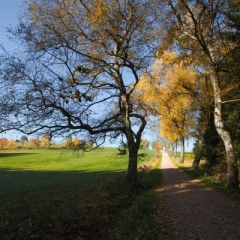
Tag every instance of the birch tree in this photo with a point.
(198, 28)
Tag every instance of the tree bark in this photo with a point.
(132, 175)
(198, 156)
(182, 140)
(232, 179)
(133, 144)
(172, 149)
(201, 144)
(175, 152)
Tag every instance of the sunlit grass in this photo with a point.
(59, 194)
(66, 160)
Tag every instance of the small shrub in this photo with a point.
(221, 166)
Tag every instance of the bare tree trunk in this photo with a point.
(198, 156)
(133, 145)
(182, 142)
(175, 153)
(201, 143)
(232, 180)
(173, 150)
(132, 168)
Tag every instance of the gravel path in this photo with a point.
(194, 211)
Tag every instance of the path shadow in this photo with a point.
(176, 177)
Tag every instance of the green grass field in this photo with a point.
(60, 194)
(30, 169)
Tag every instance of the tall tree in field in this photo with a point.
(68, 142)
(46, 140)
(10, 143)
(198, 28)
(144, 144)
(24, 139)
(3, 143)
(80, 64)
(35, 143)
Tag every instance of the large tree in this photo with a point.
(198, 30)
(78, 68)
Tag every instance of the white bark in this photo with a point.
(224, 134)
(182, 150)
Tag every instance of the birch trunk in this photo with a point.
(175, 153)
(232, 180)
(182, 140)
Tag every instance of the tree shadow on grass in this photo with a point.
(14, 181)
(52, 204)
(3, 154)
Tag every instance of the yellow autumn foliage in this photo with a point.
(45, 143)
(76, 142)
(168, 92)
(11, 143)
(101, 9)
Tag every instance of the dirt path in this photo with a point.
(194, 211)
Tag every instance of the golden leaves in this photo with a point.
(99, 10)
(169, 57)
(168, 92)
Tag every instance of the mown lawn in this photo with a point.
(60, 194)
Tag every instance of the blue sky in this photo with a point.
(8, 17)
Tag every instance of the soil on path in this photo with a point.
(194, 211)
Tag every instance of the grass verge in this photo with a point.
(213, 177)
(136, 219)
